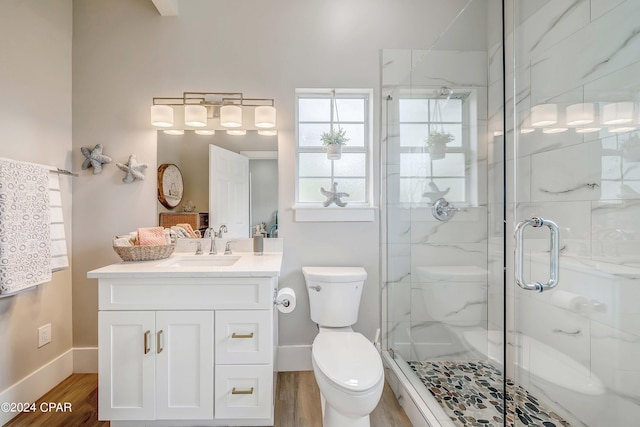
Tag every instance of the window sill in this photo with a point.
(318, 213)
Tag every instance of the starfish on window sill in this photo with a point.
(333, 196)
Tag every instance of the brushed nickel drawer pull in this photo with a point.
(234, 391)
(146, 342)
(159, 342)
(234, 335)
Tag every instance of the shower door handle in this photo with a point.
(554, 262)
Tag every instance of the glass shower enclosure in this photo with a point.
(511, 194)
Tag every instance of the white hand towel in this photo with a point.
(25, 228)
(59, 258)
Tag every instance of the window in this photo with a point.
(422, 173)
(318, 111)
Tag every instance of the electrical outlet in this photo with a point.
(44, 335)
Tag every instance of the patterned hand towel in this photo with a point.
(151, 236)
(25, 226)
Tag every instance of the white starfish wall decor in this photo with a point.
(133, 169)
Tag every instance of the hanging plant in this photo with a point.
(333, 141)
(437, 144)
(336, 137)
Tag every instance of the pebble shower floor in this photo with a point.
(471, 394)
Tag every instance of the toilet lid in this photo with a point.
(348, 359)
(334, 274)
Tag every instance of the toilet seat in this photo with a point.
(348, 360)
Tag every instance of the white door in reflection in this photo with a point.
(229, 191)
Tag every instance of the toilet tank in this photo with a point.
(334, 294)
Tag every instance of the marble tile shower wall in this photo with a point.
(437, 278)
(566, 52)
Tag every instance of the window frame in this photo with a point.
(315, 211)
(465, 148)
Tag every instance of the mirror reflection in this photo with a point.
(217, 190)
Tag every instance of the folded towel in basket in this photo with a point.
(188, 229)
(151, 236)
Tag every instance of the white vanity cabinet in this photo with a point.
(155, 365)
(192, 348)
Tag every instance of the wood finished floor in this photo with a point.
(297, 404)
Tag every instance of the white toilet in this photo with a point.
(347, 367)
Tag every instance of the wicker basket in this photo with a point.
(144, 253)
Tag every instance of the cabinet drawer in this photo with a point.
(244, 391)
(243, 337)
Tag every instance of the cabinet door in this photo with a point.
(126, 372)
(184, 364)
(243, 337)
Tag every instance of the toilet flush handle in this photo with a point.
(317, 288)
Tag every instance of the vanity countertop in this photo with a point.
(246, 265)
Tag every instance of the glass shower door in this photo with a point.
(573, 149)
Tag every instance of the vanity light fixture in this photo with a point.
(621, 129)
(267, 132)
(195, 115)
(580, 114)
(615, 113)
(265, 117)
(213, 110)
(236, 132)
(554, 130)
(587, 129)
(205, 132)
(174, 131)
(230, 116)
(162, 116)
(544, 115)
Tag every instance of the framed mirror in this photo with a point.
(191, 154)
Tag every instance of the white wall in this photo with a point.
(125, 54)
(35, 124)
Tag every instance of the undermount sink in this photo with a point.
(183, 261)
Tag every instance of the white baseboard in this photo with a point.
(33, 386)
(85, 360)
(294, 358)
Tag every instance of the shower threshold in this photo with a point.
(471, 391)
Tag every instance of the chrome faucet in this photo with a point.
(198, 248)
(227, 249)
(222, 229)
(211, 233)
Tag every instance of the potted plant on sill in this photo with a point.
(333, 141)
(437, 144)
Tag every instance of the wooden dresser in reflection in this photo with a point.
(197, 220)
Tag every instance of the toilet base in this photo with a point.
(333, 418)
